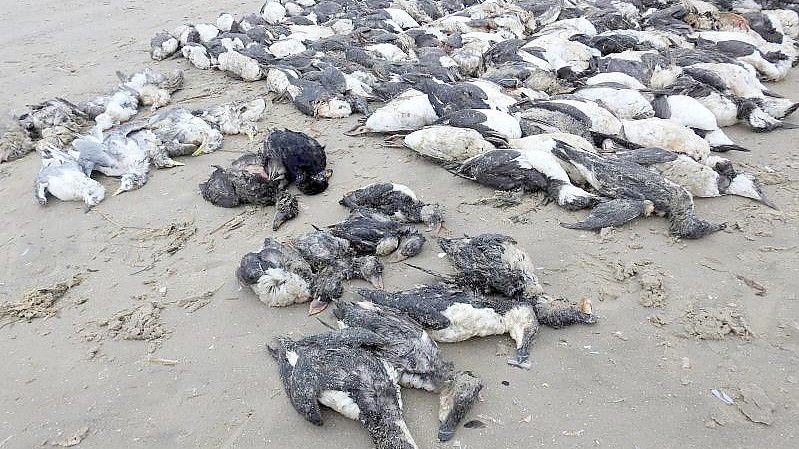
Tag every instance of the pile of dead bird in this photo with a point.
(385, 340)
(611, 106)
(104, 135)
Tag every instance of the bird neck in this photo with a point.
(391, 433)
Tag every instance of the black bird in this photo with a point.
(336, 369)
(397, 201)
(299, 158)
(416, 358)
(373, 232)
(453, 314)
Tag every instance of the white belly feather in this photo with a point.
(341, 402)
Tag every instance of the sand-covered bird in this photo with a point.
(373, 232)
(493, 263)
(57, 121)
(238, 117)
(112, 109)
(154, 89)
(334, 261)
(14, 142)
(116, 154)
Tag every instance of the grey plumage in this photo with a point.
(397, 201)
(493, 263)
(619, 178)
(372, 232)
(334, 261)
(287, 209)
(452, 314)
(314, 368)
(612, 213)
(416, 358)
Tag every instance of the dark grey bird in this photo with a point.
(277, 274)
(337, 370)
(493, 263)
(398, 201)
(373, 232)
(416, 358)
(499, 170)
(448, 98)
(452, 314)
(218, 189)
(334, 261)
(299, 158)
(619, 178)
(245, 182)
(488, 122)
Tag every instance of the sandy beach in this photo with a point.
(157, 346)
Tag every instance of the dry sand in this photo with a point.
(154, 349)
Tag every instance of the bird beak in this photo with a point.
(176, 164)
(317, 306)
(200, 150)
(117, 192)
(376, 281)
(436, 229)
(279, 220)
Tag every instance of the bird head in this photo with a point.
(327, 287)
(130, 181)
(433, 215)
(287, 209)
(457, 398)
(410, 246)
(93, 194)
(314, 184)
(370, 269)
